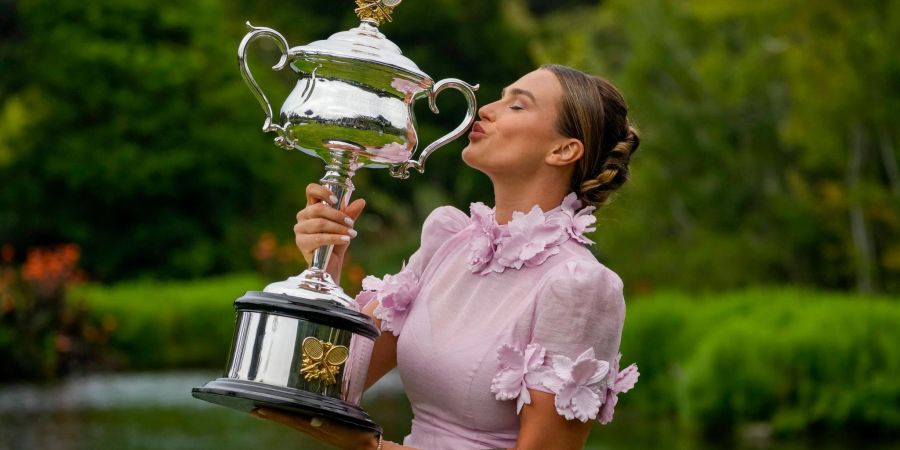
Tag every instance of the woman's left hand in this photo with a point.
(329, 432)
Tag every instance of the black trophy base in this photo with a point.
(247, 395)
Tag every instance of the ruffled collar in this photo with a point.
(528, 239)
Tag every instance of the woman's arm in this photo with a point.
(332, 433)
(384, 352)
(319, 224)
(541, 427)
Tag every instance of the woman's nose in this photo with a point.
(486, 112)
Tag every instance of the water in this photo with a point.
(150, 411)
(155, 411)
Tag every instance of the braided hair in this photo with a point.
(594, 112)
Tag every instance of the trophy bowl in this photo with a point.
(302, 345)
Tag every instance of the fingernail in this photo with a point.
(351, 232)
(333, 199)
(315, 422)
(345, 238)
(348, 221)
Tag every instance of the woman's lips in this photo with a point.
(477, 131)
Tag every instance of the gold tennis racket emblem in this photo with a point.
(322, 360)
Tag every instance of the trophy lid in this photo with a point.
(365, 42)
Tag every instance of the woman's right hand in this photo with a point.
(320, 224)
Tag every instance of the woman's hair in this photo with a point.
(594, 112)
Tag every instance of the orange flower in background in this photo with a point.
(52, 265)
(274, 258)
(265, 247)
(36, 308)
(355, 273)
(290, 256)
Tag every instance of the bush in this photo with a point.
(796, 359)
(44, 331)
(170, 325)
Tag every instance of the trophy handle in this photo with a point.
(402, 170)
(283, 140)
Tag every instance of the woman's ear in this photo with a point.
(565, 153)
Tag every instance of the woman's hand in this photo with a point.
(320, 224)
(329, 432)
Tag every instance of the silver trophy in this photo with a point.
(302, 344)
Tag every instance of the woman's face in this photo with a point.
(517, 132)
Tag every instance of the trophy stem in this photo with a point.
(338, 173)
(315, 283)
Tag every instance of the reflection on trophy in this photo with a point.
(302, 344)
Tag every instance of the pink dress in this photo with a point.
(483, 312)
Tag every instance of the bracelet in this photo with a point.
(380, 442)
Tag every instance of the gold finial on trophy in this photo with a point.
(377, 11)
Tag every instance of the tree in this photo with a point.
(768, 154)
(125, 128)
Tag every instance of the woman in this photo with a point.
(504, 327)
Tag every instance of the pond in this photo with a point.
(156, 411)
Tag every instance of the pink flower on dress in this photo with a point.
(518, 370)
(529, 239)
(577, 385)
(618, 382)
(370, 287)
(580, 221)
(482, 246)
(394, 293)
(532, 239)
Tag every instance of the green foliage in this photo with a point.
(796, 359)
(769, 145)
(130, 150)
(169, 325)
(799, 360)
(769, 150)
(125, 127)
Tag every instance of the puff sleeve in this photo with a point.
(395, 293)
(580, 306)
(573, 350)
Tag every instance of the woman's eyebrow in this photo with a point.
(517, 91)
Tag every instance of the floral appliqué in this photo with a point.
(618, 382)
(529, 239)
(518, 370)
(487, 233)
(579, 387)
(580, 220)
(394, 294)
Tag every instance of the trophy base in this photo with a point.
(313, 285)
(248, 395)
(270, 365)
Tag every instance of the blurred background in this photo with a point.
(759, 236)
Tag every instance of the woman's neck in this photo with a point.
(511, 197)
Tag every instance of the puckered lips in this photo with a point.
(477, 132)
